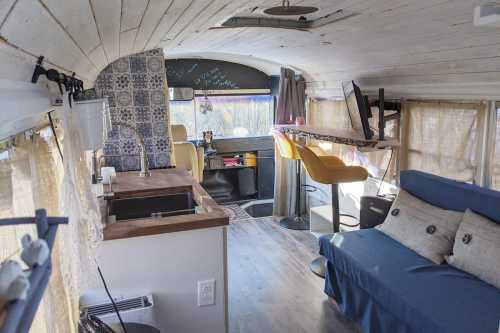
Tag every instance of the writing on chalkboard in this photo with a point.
(207, 74)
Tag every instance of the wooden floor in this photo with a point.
(270, 286)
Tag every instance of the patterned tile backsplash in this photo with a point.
(135, 87)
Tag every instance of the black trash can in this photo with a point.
(246, 182)
(134, 328)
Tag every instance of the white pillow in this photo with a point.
(422, 227)
(477, 248)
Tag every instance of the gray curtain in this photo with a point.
(292, 97)
(291, 104)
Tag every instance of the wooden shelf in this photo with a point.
(230, 167)
(339, 136)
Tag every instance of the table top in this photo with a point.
(340, 136)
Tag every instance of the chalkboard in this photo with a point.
(206, 74)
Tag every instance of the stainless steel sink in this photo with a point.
(152, 206)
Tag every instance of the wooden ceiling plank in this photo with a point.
(76, 17)
(6, 8)
(168, 22)
(107, 15)
(132, 14)
(38, 34)
(155, 11)
(127, 41)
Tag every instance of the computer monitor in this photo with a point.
(358, 109)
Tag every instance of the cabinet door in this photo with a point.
(265, 170)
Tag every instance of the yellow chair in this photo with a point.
(287, 150)
(328, 169)
(186, 155)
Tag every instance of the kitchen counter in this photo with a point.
(164, 181)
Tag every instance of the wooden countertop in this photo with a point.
(339, 136)
(165, 181)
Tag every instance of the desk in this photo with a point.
(339, 136)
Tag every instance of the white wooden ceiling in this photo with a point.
(411, 47)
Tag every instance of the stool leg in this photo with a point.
(335, 208)
(318, 265)
(296, 222)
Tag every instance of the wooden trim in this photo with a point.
(155, 226)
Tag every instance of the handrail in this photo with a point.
(20, 313)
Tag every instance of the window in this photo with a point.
(442, 139)
(232, 116)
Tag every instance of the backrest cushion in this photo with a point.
(179, 133)
(450, 194)
(424, 228)
(477, 248)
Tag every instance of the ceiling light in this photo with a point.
(286, 10)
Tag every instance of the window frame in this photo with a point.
(230, 93)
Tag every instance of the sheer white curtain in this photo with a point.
(34, 177)
(29, 180)
(442, 138)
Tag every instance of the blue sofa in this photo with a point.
(386, 287)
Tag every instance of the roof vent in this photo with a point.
(487, 15)
(286, 10)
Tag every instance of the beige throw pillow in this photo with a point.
(477, 248)
(422, 227)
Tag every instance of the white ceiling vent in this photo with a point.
(487, 15)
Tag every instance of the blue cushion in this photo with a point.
(386, 287)
(450, 194)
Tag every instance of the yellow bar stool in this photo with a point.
(328, 169)
(287, 150)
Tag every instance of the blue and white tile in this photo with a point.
(156, 64)
(141, 98)
(127, 115)
(138, 64)
(129, 147)
(126, 133)
(162, 160)
(158, 113)
(111, 148)
(114, 161)
(123, 98)
(159, 129)
(131, 162)
(121, 81)
(140, 81)
(145, 129)
(121, 65)
(142, 114)
(161, 145)
(156, 81)
(157, 97)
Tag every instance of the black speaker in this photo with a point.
(373, 211)
(246, 181)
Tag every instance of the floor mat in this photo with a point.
(235, 212)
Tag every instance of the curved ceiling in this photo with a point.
(412, 48)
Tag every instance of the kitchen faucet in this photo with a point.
(143, 156)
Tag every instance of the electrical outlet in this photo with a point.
(206, 292)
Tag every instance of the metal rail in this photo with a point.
(20, 313)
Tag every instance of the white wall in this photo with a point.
(169, 266)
